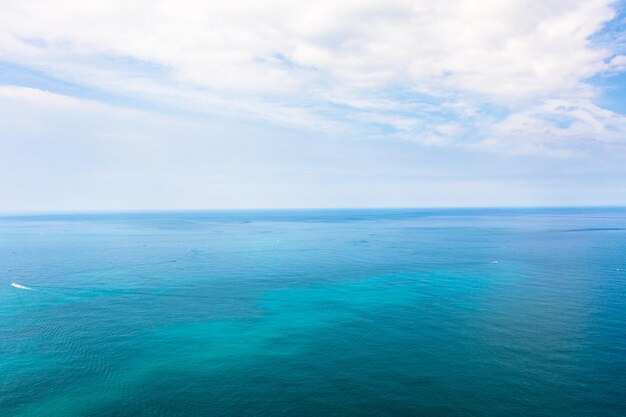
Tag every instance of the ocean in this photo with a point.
(482, 312)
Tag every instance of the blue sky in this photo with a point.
(130, 105)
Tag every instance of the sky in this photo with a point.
(195, 104)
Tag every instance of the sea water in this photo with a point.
(314, 313)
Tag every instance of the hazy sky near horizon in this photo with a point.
(189, 104)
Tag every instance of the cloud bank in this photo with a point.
(509, 76)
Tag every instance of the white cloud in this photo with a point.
(618, 63)
(287, 61)
(554, 125)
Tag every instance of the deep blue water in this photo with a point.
(315, 313)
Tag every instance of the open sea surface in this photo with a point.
(314, 313)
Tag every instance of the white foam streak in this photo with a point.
(21, 287)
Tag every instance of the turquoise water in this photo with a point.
(315, 313)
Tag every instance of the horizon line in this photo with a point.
(27, 213)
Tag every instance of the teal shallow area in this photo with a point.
(314, 313)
